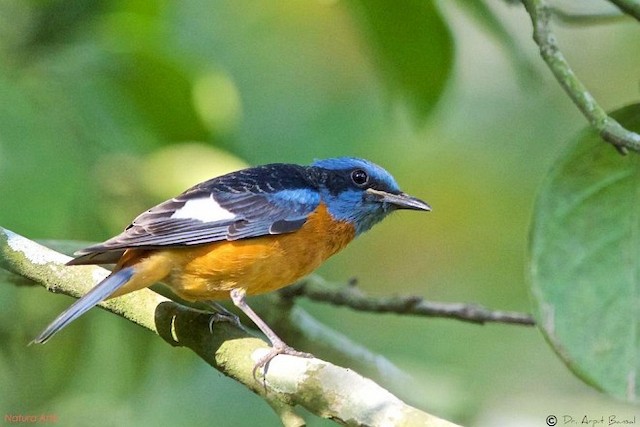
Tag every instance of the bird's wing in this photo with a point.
(219, 209)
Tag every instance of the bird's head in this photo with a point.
(360, 192)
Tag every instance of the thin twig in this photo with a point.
(350, 296)
(610, 130)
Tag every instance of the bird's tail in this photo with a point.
(95, 296)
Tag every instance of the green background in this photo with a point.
(109, 107)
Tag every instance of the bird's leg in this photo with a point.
(238, 296)
(221, 314)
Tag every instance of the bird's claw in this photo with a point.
(224, 317)
(277, 349)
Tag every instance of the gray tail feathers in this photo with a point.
(95, 296)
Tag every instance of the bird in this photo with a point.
(244, 233)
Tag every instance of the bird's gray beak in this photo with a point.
(399, 201)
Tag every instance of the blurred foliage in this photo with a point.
(108, 107)
(584, 260)
(413, 46)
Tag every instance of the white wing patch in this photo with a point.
(204, 209)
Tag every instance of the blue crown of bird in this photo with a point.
(244, 233)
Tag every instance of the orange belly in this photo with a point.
(259, 264)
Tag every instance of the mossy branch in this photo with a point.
(320, 387)
(610, 130)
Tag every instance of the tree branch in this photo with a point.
(351, 296)
(630, 7)
(322, 388)
(610, 130)
(291, 322)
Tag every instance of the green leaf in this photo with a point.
(585, 261)
(413, 47)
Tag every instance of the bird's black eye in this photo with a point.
(359, 177)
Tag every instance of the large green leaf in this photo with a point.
(413, 47)
(585, 261)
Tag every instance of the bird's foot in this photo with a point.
(277, 345)
(277, 349)
(221, 314)
(224, 317)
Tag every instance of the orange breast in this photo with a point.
(260, 264)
